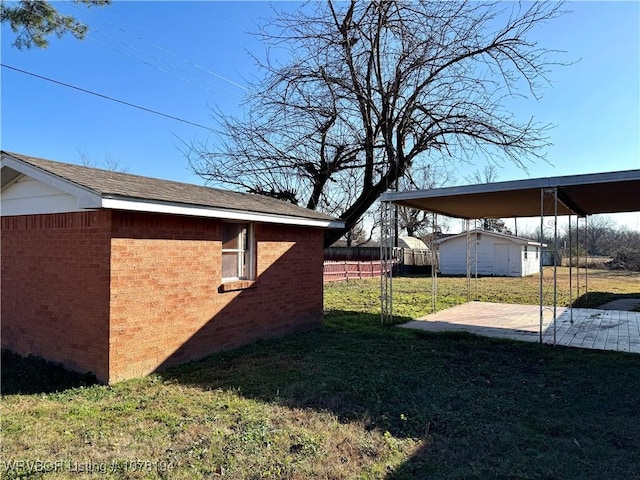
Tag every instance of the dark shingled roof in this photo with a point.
(126, 186)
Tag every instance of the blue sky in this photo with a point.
(183, 58)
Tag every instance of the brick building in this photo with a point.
(122, 275)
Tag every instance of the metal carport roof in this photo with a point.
(610, 192)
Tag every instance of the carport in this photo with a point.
(575, 196)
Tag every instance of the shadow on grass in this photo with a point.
(480, 407)
(29, 375)
(595, 299)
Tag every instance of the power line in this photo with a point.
(159, 60)
(141, 60)
(158, 47)
(105, 96)
(199, 84)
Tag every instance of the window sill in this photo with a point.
(236, 285)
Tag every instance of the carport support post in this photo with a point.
(555, 260)
(466, 224)
(570, 275)
(432, 247)
(434, 262)
(541, 259)
(577, 257)
(553, 193)
(586, 258)
(475, 241)
(386, 265)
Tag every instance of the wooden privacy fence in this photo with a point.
(416, 257)
(406, 261)
(345, 270)
(352, 254)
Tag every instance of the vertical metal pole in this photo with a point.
(396, 222)
(383, 291)
(466, 224)
(541, 256)
(570, 273)
(586, 258)
(396, 213)
(475, 228)
(392, 255)
(555, 261)
(391, 287)
(434, 262)
(577, 256)
(386, 266)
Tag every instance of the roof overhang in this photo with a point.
(511, 238)
(13, 169)
(610, 192)
(137, 205)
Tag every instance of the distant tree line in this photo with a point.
(600, 238)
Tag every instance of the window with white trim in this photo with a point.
(526, 252)
(237, 251)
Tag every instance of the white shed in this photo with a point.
(496, 254)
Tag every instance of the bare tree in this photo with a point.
(109, 162)
(599, 234)
(489, 174)
(359, 235)
(418, 223)
(625, 250)
(359, 93)
(599, 238)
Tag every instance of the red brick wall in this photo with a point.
(166, 305)
(123, 294)
(55, 280)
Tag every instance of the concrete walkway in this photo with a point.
(590, 328)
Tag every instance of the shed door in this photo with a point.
(501, 260)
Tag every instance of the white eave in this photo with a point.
(137, 205)
(87, 198)
(501, 236)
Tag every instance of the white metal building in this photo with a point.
(489, 253)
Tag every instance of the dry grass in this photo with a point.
(154, 428)
(412, 295)
(351, 400)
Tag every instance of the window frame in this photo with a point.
(245, 256)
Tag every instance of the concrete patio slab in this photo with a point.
(582, 327)
(621, 304)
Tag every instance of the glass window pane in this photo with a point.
(230, 235)
(236, 251)
(230, 265)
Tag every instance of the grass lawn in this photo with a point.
(350, 400)
(412, 295)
